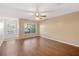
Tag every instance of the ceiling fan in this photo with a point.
(38, 14)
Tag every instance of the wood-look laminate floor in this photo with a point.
(37, 47)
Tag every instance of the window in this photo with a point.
(29, 28)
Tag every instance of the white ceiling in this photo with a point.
(27, 10)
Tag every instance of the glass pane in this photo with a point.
(29, 28)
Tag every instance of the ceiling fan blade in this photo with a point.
(43, 15)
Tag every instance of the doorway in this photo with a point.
(1, 32)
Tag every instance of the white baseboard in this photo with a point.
(62, 41)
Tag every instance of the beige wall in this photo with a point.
(63, 28)
(21, 28)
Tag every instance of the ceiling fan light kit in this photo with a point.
(38, 15)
